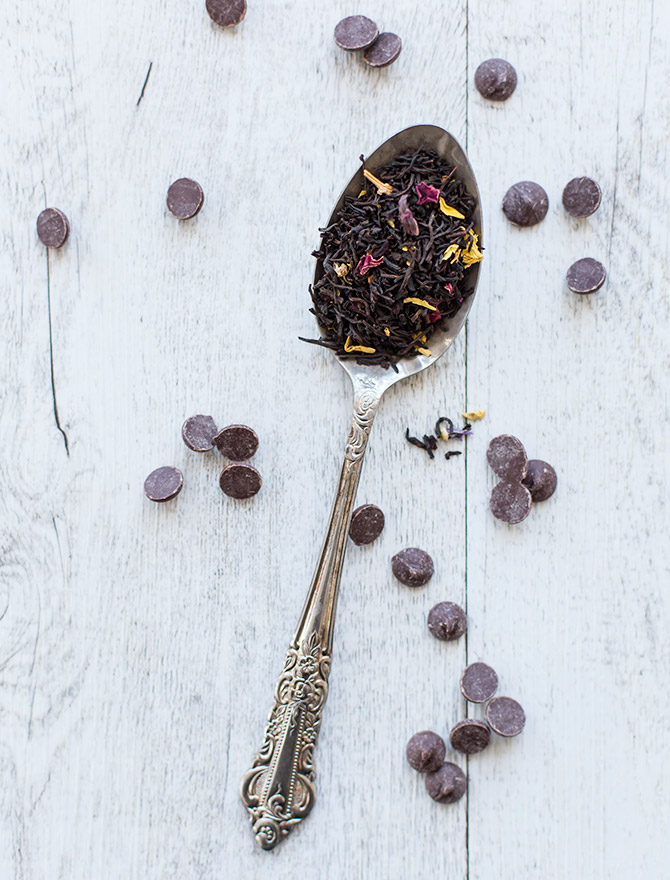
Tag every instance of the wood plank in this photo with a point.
(141, 643)
(570, 605)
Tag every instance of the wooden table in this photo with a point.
(139, 643)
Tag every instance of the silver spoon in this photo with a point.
(279, 791)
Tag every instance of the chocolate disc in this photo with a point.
(581, 197)
(184, 198)
(367, 524)
(163, 484)
(505, 716)
(470, 736)
(237, 442)
(412, 567)
(53, 228)
(507, 457)
(226, 13)
(240, 480)
(425, 751)
(447, 621)
(495, 79)
(540, 480)
(479, 682)
(525, 203)
(198, 433)
(446, 785)
(383, 51)
(355, 32)
(586, 276)
(510, 502)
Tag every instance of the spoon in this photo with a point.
(279, 791)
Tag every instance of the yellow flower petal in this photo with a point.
(341, 269)
(475, 415)
(361, 194)
(364, 348)
(391, 224)
(383, 189)
(449, 211)
(420, 302)
(426, 352)
(387, 331)
(472, 254)
(452, 251)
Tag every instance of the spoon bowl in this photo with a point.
(428, 137)
(279, 789)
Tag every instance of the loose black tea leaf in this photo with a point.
(395, 261)
(452, 453)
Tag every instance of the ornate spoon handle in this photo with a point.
(278, 790)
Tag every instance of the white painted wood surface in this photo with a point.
(139, 644)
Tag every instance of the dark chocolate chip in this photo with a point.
(507, 457)
(53, 228)
(355, 32)
(412, 567)
(383, 51)
(479, 682)
(240, 480)
(184, 198)
(425, 751)
(198, 433)
(510, 502)
(367, 524)
(237, 442)
(495, 79)
(163, 484)
(525, 203)
(470, 736)
(505, 716)
(540, 480)
(447, 621)
(586, 276)
(226, 13)
(446, 785)
(581, 197)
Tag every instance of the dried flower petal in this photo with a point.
(472, 254)
(391, 224)
(426, 193)
(435, 316)
(407, 219)
(475, 415)
(452, 251)
(367, 262)
(426, 352)
(364, 348)
(420, 302)
(341, 269)
(449, 211)
(387, 331)
(384, 189)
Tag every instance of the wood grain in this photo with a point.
(139, 643)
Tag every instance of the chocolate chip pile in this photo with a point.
(426, 751)
(526, 203)
(358, 33)
(522, 482)
(200, 433)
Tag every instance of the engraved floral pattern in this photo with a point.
(292, 732)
